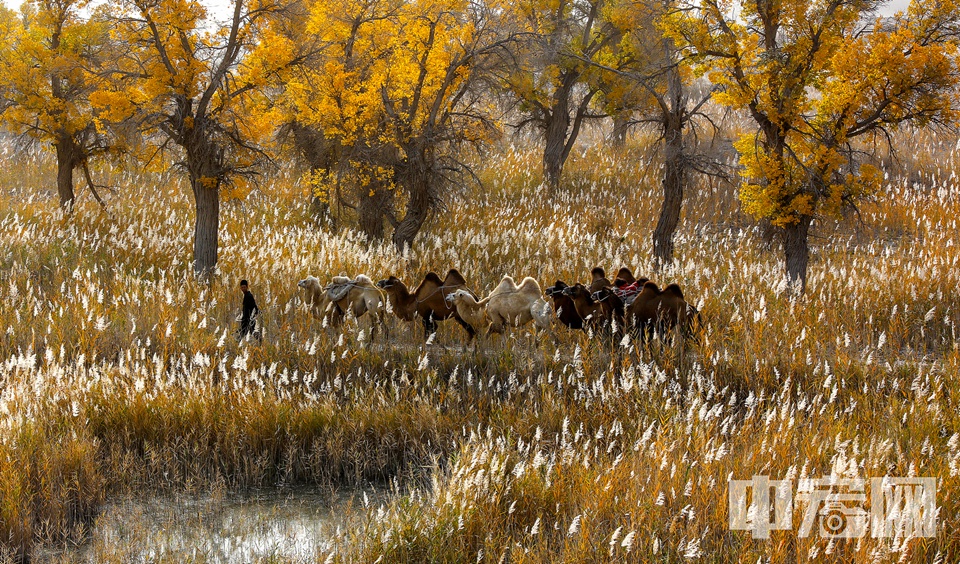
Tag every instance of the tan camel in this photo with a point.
(469, 309)
(357, 296)
(515, 306)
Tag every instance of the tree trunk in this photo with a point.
(674, 173)
(66, 160)
(406, 231)
(415, 177)
(319, 208)
(207, 227)
(796, 249)
(319, 153)
(371, 211)
(555, 138)
(618, 137)
(674, 178)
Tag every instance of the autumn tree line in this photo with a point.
(386, 99)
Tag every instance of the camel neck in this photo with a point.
(402, 300)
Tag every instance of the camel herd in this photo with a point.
(635, 305)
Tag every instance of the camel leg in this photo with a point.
(381, 320)
(496, 324)
(373, 328)
(469, 328)
(429, 327)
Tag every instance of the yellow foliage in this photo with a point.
(197, 83)
(49, 55)
(815, 86)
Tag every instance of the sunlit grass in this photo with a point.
(120, 374)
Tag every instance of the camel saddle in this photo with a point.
(337, 292)
(628, 293)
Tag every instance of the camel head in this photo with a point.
(457, 297)
(556, 289)
(621, 282)
(577, 291)
(309, 283)
(388, 283)
(601, 295)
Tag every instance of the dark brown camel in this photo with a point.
(660, 310)
(625, 275)
(596, 313)
(427, 301)
(564, 307)
(599, 280)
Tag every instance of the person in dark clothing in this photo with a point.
(248, 319)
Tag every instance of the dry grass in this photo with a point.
(120, 375)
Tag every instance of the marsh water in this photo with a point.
(287, 526)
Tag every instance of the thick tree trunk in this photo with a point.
(66, 161)
(415, 177)
(319, 153)
(371, 211)
(407, 230)
(555, 138)
(674, 179)
(206, 230)
(796, 249)
(674, 173)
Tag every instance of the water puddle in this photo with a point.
(288, 526)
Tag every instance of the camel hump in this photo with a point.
(651, 286)
(433, 278)
(529, 280)
(454, 278)
(642, 281)
(363, 280)
(598, 272)
(529, 284)
(674, 289)
(625, 275)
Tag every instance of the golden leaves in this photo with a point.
(816, 85)
(49, 68)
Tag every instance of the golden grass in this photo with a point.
(120, 374)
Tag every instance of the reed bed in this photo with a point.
(120, 374)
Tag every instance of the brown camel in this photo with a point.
(656, 310)
(427, 301)
(564, 307)
(599, 280)
(625, 275)
(596, 313)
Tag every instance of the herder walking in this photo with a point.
(248, 319)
